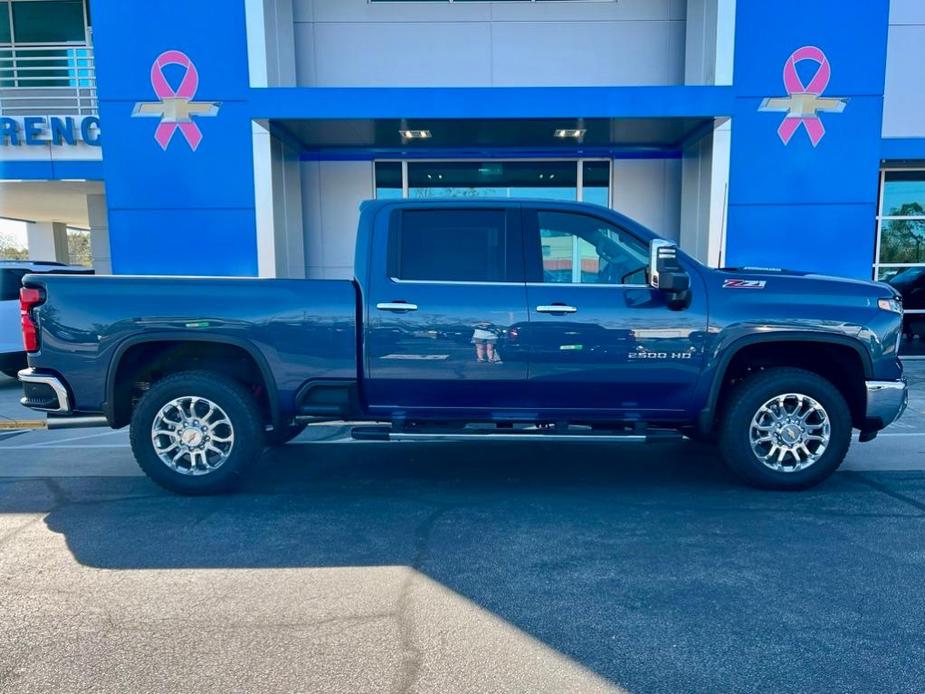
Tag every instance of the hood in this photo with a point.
(788, 280)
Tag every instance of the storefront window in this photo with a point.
(539, 179)
(900, 256)
(388, 180)
(493, 179)
(596, 181)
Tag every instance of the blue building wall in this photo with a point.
(175, 210)
(179, 210)
(799, 205)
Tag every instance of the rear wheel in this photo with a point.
(195, 432)
(785, 428)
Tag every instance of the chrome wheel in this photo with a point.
(790, 432)
(192, 435)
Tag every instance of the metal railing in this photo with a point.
(50, 79)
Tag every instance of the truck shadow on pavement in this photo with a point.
(647, 565)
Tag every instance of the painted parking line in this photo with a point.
(56, 442)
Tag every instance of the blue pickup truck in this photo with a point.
(490, 319)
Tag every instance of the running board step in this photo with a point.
(385, 433)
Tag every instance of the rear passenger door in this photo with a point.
(446, 297)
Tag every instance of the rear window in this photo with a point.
(10, 282)
(454, 245)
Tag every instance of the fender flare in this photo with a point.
(189, 336)
(707, 414)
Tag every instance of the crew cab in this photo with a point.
(510, 319)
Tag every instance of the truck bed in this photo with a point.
(300, 328)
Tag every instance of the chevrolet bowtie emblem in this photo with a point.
(176, 108)
(803, 104)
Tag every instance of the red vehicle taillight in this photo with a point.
(28, 299)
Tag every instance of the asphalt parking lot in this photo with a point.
(365, 567)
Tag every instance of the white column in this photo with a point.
(263, 201)
(47, 241)
(710, 42)
(98, 216)
(278, 206)
(704, 196)
(270, 43)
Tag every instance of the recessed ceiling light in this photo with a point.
(576, 133)
(414, 134)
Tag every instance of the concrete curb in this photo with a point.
(22, 424)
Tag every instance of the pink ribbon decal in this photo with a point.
(176, 107)
(186, 91)
(803, 103)
(813, 124)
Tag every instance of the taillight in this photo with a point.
(29, 298)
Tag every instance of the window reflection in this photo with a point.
(495, 179)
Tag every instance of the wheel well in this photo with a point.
(146, 363)
(839, 364)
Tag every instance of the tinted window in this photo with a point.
(10, 282)
(54, 21)
(579, 249)
(4, 23)
(454, 245)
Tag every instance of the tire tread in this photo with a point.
(247, 421)
(739, 410)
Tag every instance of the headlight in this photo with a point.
(894, 305)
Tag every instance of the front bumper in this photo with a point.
(886, 401)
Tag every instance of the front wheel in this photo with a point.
(785, 428)
(195, 432)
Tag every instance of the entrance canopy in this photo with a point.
(48, 201)
(527, 137)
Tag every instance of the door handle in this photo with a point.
(397, 306)
(556, 308)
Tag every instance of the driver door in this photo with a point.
(600, 339)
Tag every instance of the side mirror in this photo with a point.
(667, 275)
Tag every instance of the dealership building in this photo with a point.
(238, 137)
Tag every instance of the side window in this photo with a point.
(454, 245)
(580, 249)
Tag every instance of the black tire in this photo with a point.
(12, 373)
(745, 401)
(283, 435)
(241, 410)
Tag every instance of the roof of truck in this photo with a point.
(42, 266)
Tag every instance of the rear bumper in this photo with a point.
(44, 392)
(886, 401)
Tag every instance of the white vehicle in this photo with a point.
(12, 355)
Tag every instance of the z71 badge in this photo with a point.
(744, 284)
